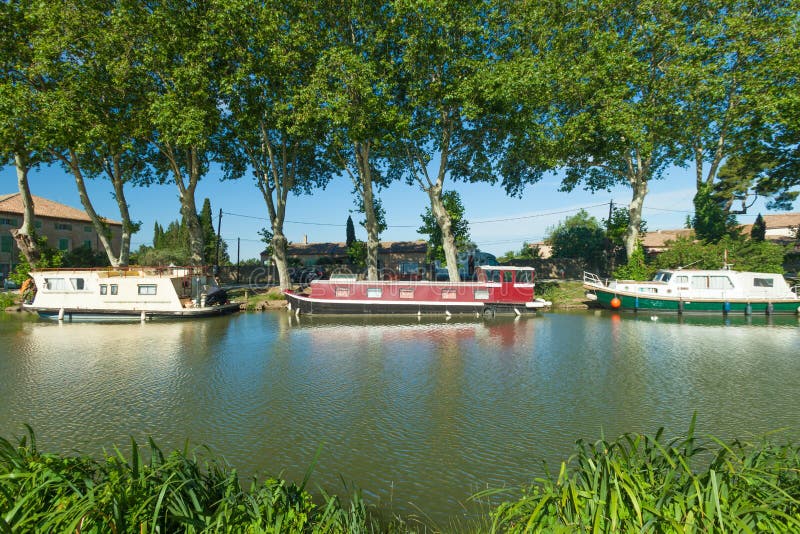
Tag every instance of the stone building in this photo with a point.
(65, 228)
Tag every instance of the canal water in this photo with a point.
(420, 413)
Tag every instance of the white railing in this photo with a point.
(591, 278)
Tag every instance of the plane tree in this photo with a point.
(19, 86)
(89, 106)
(175, 54)
(269, 128)
(457, 112)
(352, 87)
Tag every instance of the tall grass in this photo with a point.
(636, 483)
(174, 493)
(647, 484)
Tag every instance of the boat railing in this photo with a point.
(592, 279)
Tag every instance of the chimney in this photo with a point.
(305, 239)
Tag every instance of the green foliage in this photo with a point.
(743, 255)
(7, 300)
(460, 226)
(49, 257)
(172, 246)
(154, 492)
(579, 237)
(641, 483)
(759, 230)
(350, 232)
(84, 256)
(357, 253)
(636, 268)
(711, 222)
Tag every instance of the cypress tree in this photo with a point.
(351, 232)
(759, 230)
(209, 236)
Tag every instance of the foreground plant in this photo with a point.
(176, 493)
(646, 484)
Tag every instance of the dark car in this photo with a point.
(8, 283)
(305, 275)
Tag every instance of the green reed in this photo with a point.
(639, 483)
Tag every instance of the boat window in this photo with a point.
(103, 289)
(55, 284)
(493, 276)
(406, 292)
(508, 276)
(763, 282)
(114, 289)
(682, 279)
(524, 277)
(448, 294)
(481, 294)
(711, 282)
(78, 284)
(374, 292)
(147, 289)
(342, 291)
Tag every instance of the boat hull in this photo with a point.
(633, 302)
(308, 305)
(99, 315)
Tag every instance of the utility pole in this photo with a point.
(238, 250)
(219, 229)
(610, 244)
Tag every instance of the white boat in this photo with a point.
(720, 291)
(136, 293)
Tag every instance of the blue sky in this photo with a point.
(322, 215)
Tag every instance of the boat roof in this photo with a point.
(503, 268)
(714, 272)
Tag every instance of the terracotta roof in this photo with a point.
(659, 238)
(43, 207)
(339, 249)
(780, 220)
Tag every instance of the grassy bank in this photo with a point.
(8, 299)
(634, 484)
(564, 294)
(258, 299)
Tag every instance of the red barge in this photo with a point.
(498, 290)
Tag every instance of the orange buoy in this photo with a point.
(616, 303)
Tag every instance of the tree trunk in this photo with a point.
(127, 226)
(189, 212)
(446, 225)
(371, 222)
(279, 244)
(100, 227)
(25, 236)
(639, 187)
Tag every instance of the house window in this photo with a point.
(8, 222)
(763, 282)
(147, 289)
(55, 284)
(114, 289)
(63, 226)
(79, 284)
(6, 243)
(63, 244)
(87, 228)
(374, 292)
(37, 224)
(406, 292)
(342, 291)
(87, 243)
(103, 289)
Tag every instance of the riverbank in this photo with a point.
(638, 482)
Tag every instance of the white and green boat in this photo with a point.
(721, 291)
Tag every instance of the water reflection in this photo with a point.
(420, 411)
